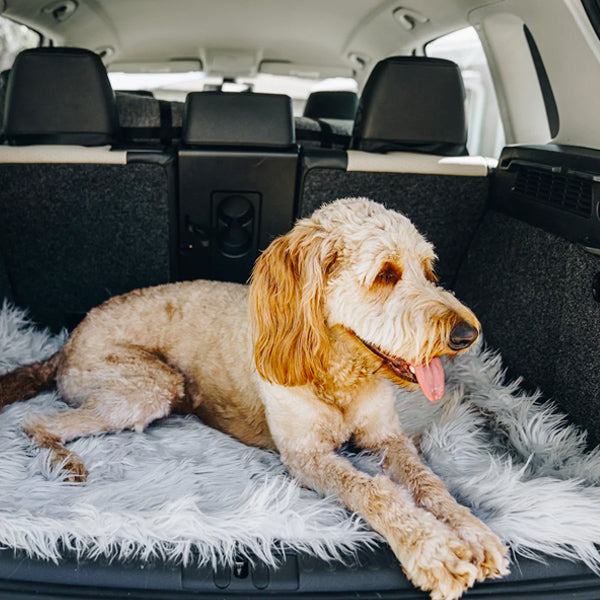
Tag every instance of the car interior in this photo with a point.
(106, 190)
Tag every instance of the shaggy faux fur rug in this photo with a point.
(183, 491)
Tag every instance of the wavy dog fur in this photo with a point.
(342, 307)
(291, 339)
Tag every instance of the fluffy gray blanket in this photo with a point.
(184, 491)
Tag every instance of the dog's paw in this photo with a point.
(490, 555)
(71, 466)
(438, 562)
(75, 470)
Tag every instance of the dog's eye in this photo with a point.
(388, 275)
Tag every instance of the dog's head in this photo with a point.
(361, 275)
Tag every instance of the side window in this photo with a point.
(486, 135)
(13, 39)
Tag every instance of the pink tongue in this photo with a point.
(431, 379)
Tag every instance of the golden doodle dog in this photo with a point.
(339, 309)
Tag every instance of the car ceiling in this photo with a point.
(237, 37)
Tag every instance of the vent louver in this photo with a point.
(567, 192)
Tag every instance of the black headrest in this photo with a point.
(412, 104)
(59, 96)
(331, 105)
(243, 120)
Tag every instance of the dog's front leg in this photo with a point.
(379, 429)
(431, 554)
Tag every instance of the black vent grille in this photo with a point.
(567, 192)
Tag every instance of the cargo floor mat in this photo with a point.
(184, 492)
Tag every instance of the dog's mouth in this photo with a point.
(429, 376)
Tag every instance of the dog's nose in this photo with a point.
(462, 336)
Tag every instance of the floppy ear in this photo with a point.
(291, 341)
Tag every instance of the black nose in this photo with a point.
(462, 336)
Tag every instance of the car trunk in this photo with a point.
(531, 272)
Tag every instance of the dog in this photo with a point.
(339, 310)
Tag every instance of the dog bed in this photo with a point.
(183, 491)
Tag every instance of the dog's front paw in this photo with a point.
(489, 553)
(75, 470)
(436, 561)
(71, 466)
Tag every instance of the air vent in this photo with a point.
(567, 192)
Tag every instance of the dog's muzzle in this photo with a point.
(462, 336)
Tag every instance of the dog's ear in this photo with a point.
(291, 341)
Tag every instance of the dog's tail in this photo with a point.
(28, 381)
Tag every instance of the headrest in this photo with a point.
(243, 120)
(59, 96)
(331, 105)
(413, 104)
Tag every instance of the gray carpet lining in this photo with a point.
(75, 235)
(532, 291)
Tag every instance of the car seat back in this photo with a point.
(79, 223)
(237, 181)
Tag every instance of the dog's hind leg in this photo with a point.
(127, 389)
(53, 431)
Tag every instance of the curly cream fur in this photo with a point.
(301, 380)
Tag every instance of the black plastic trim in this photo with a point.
(266, 179)
(150, 156)
(546, 88)
(371, 574)
(324, 159)
(566, 161)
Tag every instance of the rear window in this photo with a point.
(13, 39)
(175, 86)
(486, 134)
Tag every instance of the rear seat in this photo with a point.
(409, 152)
(520, 247)
(237, 181)
(532, 282)
(147, 122)
(327, 120)
(323, 133)
(80, 221)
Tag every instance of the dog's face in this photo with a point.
(356, 266)
(383, 291)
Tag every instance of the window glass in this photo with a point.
(592, 8)
(175, 86)
(486, 135)
(13, 39)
